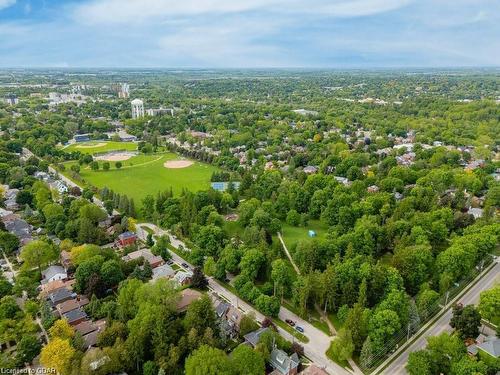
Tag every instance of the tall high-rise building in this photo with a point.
(123, 91)
(137, 108)
(11, 99)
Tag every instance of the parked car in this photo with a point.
(290, 321)
(170, 262)
(300, 329)
(185, 265)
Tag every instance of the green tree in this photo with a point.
(38, 254)
(111, 273)
(118, 164)
(281, 276)
(342, 347)
(293, 218)
(247, 361)
(27, 349)
(466, 320)
(210, 266)
(419, 363)
(489, 304)
(252, 262)
(268, 305)
(200, 315)
(208, 361)
(8, 242)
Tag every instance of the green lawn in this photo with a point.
(145, 174)
(93, 147)
(292, 235)
(233, 228)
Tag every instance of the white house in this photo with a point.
(54, 273)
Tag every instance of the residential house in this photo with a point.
(475, 164)
(19, 227)
(90, 331)
(490, 346)
(153, 260)
(183, 277)
(60, 295)
(126, 239)
(221, 308)
(44, 176)
(53, 273)
(233, 318)
(310, 169)
(283, 364)
(163, 272)
(75, 316)
(4, 212)
(476, 212)
(253, 337)
(51, 287)
(85, 327)
(188, 296)
(344, 181)
(72, 304)
(59, 186)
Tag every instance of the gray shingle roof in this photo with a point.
(283, 363)
(73, 315)
(254, 336)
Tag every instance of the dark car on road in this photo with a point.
(290, 321)
(300, 329)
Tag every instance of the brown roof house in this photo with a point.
(188, 296)
(153, 260)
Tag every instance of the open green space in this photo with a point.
(93, 147)
(145, 174)
(291, 235)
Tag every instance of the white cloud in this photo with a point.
(233, 42)
(119, 11)
(6, 3)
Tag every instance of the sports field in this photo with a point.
(94, 147)
(147, 174)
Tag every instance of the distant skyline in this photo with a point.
(250, 33)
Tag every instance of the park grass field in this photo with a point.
(145, 174)
(93, 147)
(292, 235)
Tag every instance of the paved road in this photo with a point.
(442, 324)
(318, 341)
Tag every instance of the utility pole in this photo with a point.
(408, 334)
(446, 300)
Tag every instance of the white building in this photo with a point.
(11, 99)
(137, 108)
(160, 111)
(124, 91)
(54, 273)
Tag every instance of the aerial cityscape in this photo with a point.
(250, 188)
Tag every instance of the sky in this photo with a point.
(249, 33)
